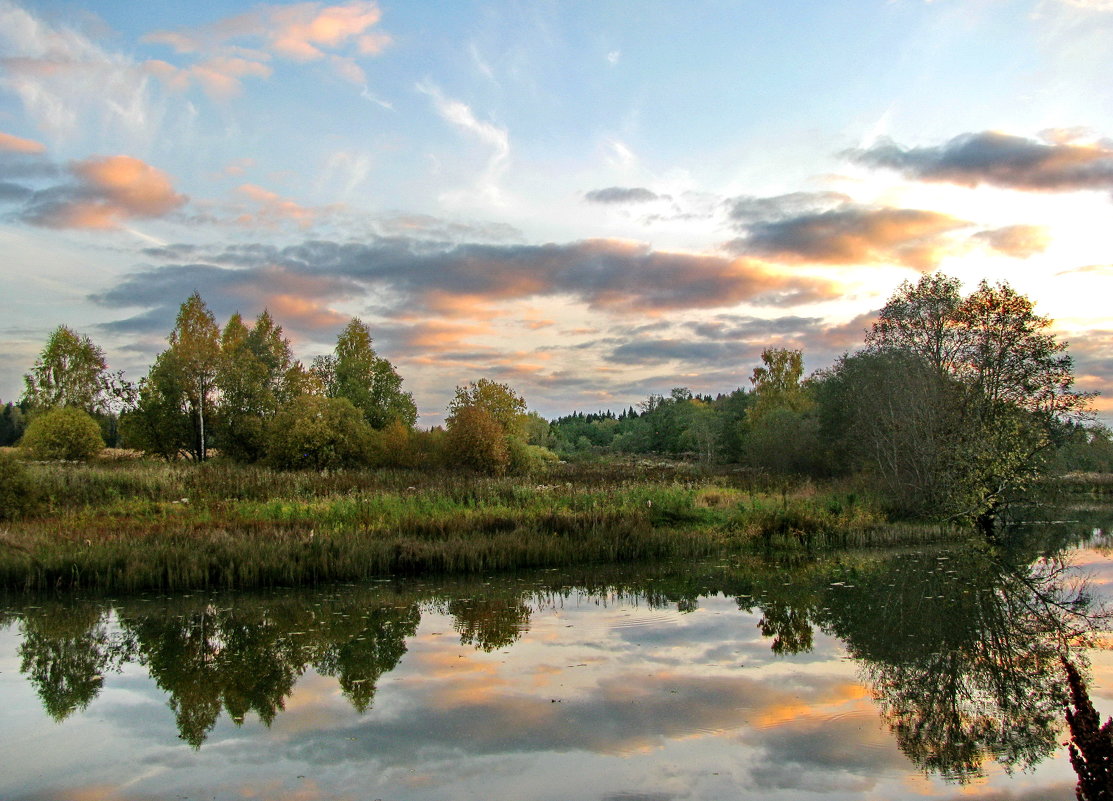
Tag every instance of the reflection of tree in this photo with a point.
(247, 659)
(65, 652)
(788, 625)
(489, 623)
(963, 655)
(358, 661)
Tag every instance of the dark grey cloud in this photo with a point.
(623, 194)
(414, 275)
(749, 209)
(657, 351)
(14, 193)
(998, 159)
(827, 228)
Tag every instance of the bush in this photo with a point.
(19, 495)
(526, 459)
(67, 433)
(476, 440)
(318, 433)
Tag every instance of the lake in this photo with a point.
(927, 672)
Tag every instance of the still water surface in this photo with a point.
(912, 674)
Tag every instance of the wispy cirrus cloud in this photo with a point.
(998, 159)
(64, 79)
(496, 138)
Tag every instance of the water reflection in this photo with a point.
(960, 649)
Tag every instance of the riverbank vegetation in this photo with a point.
(126, 526)
(953, 410)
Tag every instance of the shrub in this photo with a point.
(66, 433)
(318, 433)
(20, 496)
(526, 459)
(476, 440)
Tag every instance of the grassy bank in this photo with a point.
(144, 525)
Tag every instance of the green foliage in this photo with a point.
(12, 423)
(20, 494)
(319, 433)
(64, 433)
(255, 375)
(527, 459)
(159, 424)
(956, 400)
(70, 371)
(189, 370)
(369, 381)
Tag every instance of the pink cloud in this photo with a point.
(108, 190)
(17, 144)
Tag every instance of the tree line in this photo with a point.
(952, 405)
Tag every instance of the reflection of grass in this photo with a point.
(134, 525)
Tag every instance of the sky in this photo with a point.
(589, 201)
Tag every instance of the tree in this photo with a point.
(195, 345)
(159, 423)
(70, 371)
(1002, 386)
(256, 374)
(370, 382)
(486, 423)
(505, 406)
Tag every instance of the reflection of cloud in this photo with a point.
(998, 159)
(106, 192)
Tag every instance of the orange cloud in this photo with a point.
(910, 237)
(300, 32)
(17, 144)
(108, 191)
(1018, 241)
(304, 313)
(274, 209)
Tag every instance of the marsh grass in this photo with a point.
(137, 525)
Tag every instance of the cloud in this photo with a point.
(997, 159)
(412, 277)
(62, 77)
(103, 193)
(827, 228)
(237, 47)
(272, 209)
(497, 139)
(1018, 241)
(621, 194)
(16, 144)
